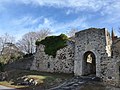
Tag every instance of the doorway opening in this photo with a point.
(89, 63)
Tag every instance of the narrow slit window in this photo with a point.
(48, 64)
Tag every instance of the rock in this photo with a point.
(34, 82)
(66, 88)
(96, 79)
(80, 82)
(31, 80)
(3, 76)
(24, 83)
(75, 84)
(26, 79)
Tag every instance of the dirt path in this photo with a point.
(84, 83)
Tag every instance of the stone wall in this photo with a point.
(106, 51)
(72, 58)
(63, 62)
(111, 72)
(94, 40)
(24, 63)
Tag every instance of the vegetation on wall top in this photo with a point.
(53, 43)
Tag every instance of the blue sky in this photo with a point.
(18, 17)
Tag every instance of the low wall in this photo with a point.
(24, 63)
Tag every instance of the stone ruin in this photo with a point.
(93, 51)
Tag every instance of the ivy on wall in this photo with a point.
(53, 43)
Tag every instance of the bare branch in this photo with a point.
(72, 32)
(27, 43)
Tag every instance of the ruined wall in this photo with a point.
(63, 62)
(72, 58)
(96, 41)
(106, 51)
(24, 63)
(111, 72)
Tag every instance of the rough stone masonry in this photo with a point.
(93, 51)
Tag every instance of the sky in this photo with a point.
(18, 17)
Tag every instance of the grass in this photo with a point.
(45, 80)
(8, 84)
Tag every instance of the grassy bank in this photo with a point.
(45, 80)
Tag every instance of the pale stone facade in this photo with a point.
(94, 41)
(94, 52)
(63, 62)
(111, 73)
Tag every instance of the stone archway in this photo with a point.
(89, 63)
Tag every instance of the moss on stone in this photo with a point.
(53, 43)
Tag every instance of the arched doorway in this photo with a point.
(89, 63)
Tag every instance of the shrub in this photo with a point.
(1, 67)
(53, 43)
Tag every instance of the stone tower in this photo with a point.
(91, 46)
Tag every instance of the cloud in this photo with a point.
(26, 21)
(111, 7)
(69, 11)
(62, 27)
(104, 6)
(46, 21)
(56, 27)
(20, 26)
(2, 8)
(111, 12)
(77, 4)
(108, 10)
